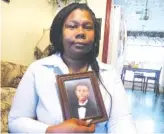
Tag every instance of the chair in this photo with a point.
(139, 76)
(123, 73)
(156, 81)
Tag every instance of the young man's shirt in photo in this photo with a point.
(82, 110)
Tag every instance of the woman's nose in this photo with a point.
(80, 33)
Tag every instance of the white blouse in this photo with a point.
(37, 97)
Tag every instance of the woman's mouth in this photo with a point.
(80, 47)
(78, 44)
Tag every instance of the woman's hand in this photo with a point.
(72, 126)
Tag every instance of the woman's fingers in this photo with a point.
(85, 126)
(89, 129)
(82, 122)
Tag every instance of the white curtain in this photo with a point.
(150, 57)
(147, 56)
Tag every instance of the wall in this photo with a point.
(22, 26)
(117, 47)
(135, 21)
(114, 36)
(23, 22)
(99, 8)
(162, 74)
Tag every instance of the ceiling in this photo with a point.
(134, 12)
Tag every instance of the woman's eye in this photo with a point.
(88, 27)
(71, 26)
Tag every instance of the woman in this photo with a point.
(36, 106)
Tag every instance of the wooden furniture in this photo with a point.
(142, 80)
(142, 70)
(156, 81)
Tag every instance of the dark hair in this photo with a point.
(56, 33)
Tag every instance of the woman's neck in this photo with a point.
(75, 65)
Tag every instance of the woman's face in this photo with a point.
(78, 33)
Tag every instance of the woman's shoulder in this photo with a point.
(47, 61)
(50, 60)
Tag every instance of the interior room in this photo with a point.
(132, 41)
(144, 62)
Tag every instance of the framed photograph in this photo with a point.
(81, 97)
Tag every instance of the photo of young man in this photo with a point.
(84, 106)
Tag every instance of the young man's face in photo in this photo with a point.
(82, 93)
